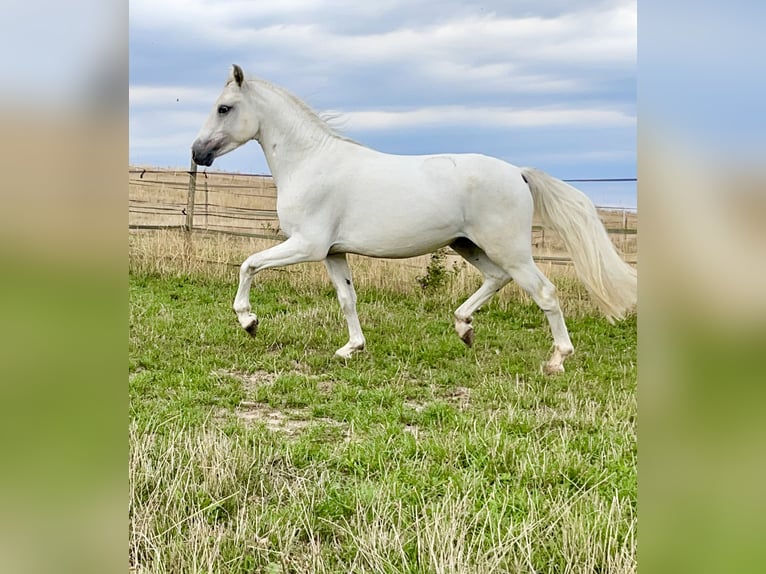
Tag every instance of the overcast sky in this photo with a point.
(546, 83)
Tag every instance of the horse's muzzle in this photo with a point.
(203, 153)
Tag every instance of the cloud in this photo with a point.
(575, 38)
(445, 116)
(492, 48)
(399, 32)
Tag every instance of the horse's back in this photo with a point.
(446, 177)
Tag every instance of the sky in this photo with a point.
(549, 83)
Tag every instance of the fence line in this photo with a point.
(206, 173)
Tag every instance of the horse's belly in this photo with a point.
(396, 238)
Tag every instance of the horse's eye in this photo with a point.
(223, 109)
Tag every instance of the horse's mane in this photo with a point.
(321, 121)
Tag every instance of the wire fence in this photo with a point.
(244, 205)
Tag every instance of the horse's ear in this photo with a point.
(237, 74)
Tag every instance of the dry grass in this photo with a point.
(206, 499)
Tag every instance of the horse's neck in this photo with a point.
(289, 133)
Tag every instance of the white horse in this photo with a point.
(336, 196)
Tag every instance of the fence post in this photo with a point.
(207, 203)
(190, 197)
(624, 230)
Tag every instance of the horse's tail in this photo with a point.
(612, 283)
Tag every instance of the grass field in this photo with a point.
(418, 455)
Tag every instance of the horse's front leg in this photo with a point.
(291, 251)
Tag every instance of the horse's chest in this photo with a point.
(294, 212)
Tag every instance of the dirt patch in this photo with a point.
(416, 406)
(250, 381)
(325, 387)
(459, 397)
(288, 421)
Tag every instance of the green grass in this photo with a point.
(418, 455)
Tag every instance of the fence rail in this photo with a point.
(244, 205)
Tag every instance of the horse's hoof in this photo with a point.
(553, 369)
(252, 327)
(347, 351)
(465, 332)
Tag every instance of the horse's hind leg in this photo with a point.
(529, 278)
(494, 280)
(543, 292)
(340, 275)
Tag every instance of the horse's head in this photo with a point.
(231, 123)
